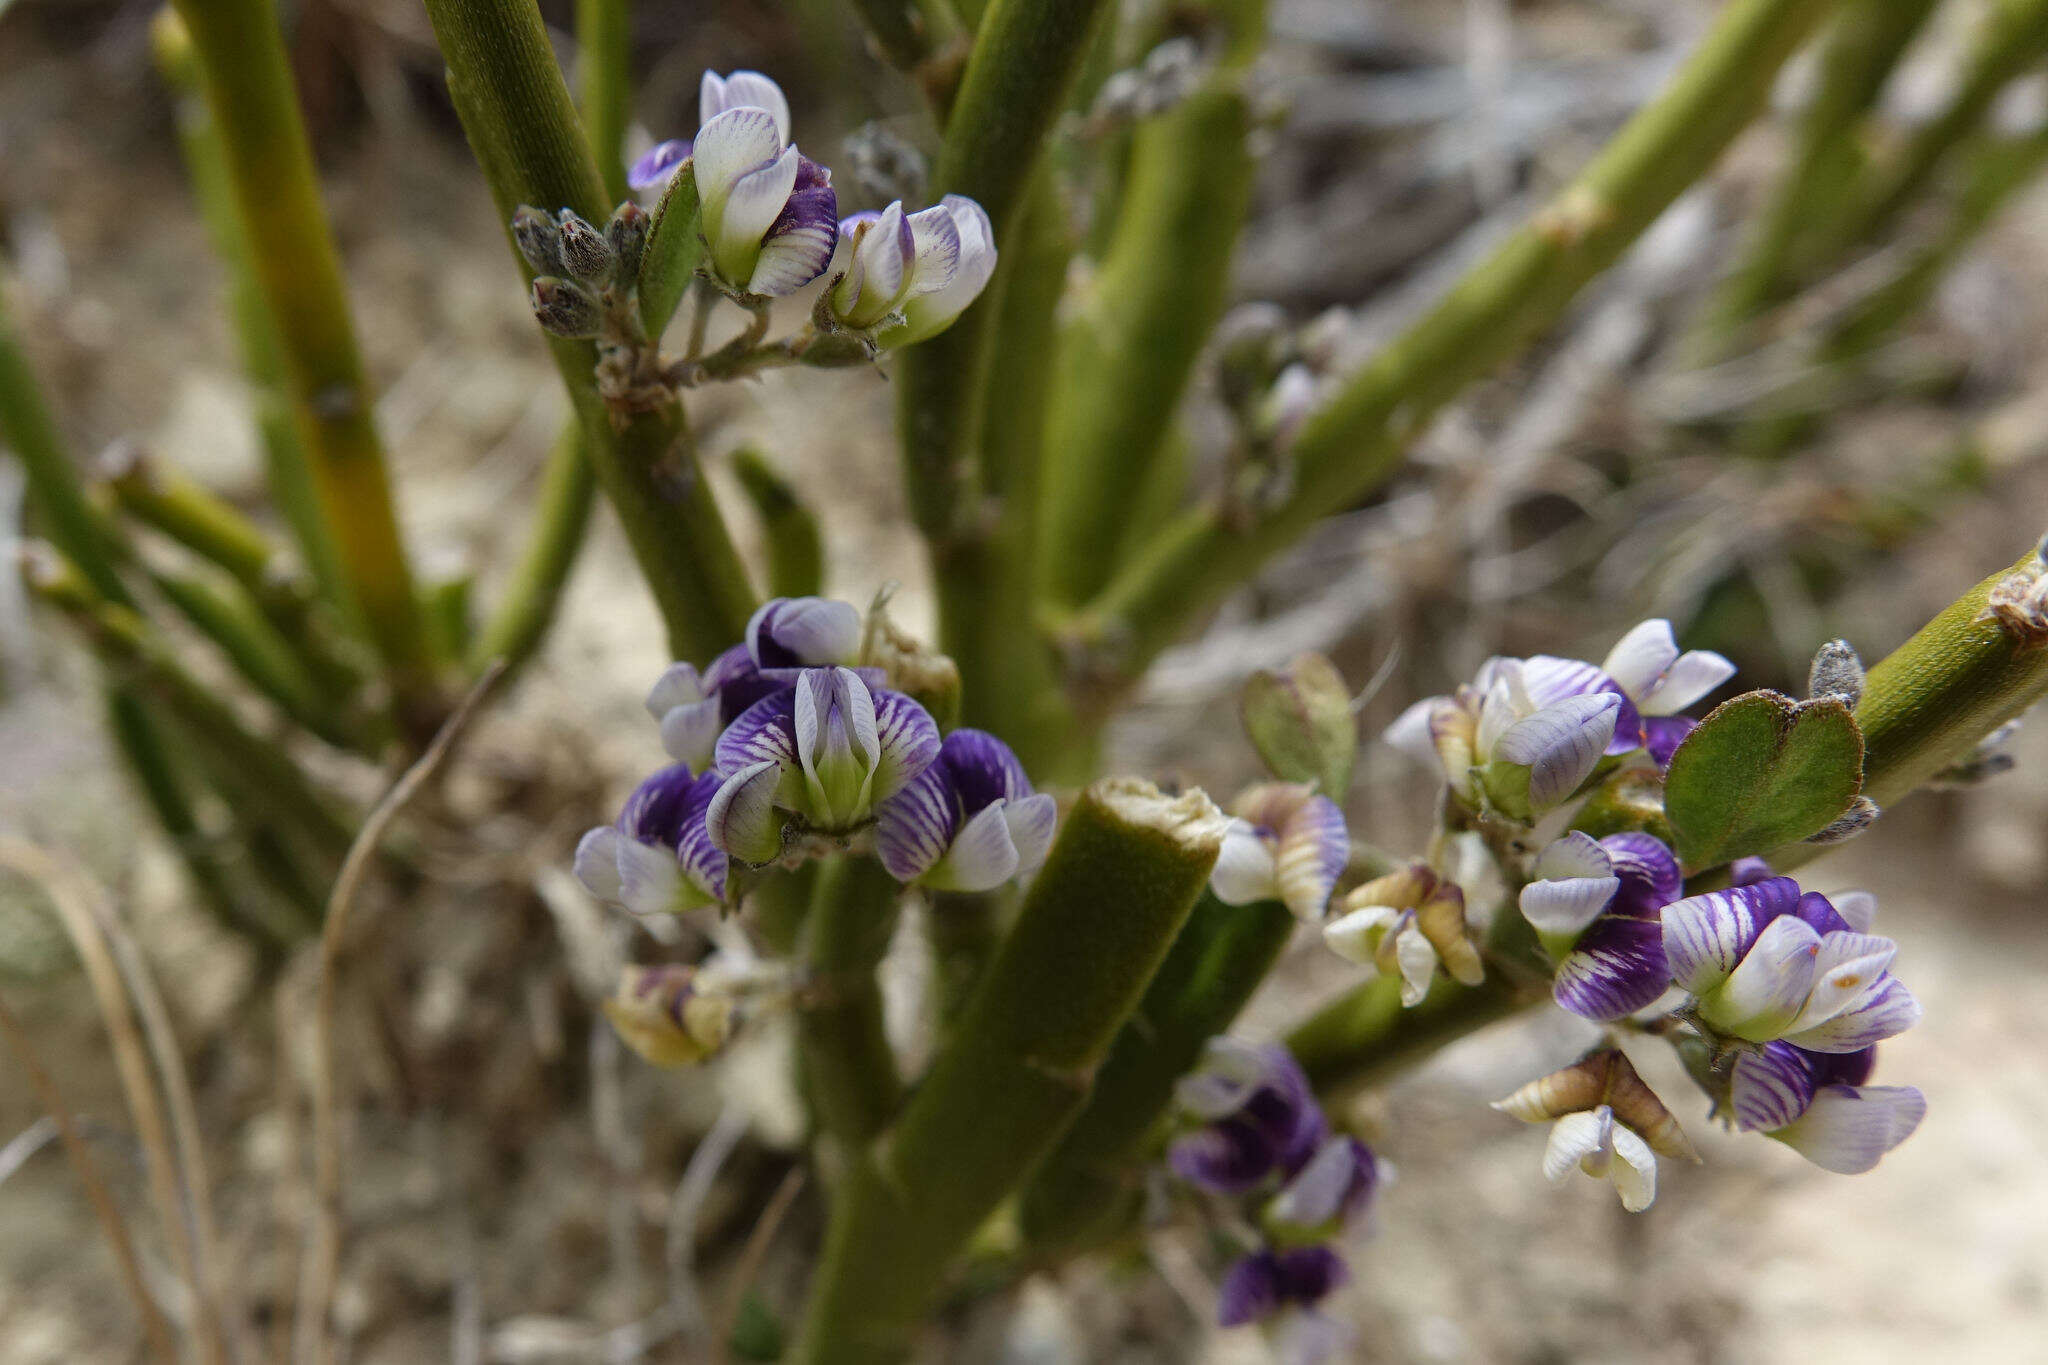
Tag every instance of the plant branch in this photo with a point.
(849, 1070)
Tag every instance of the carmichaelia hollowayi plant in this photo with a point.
(1599, 839)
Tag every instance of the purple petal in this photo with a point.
(909, 740)
(915, 827)
(1771, 1088)
(1650, 878)
(1847, 1129)
(1749, 871)
(1663, 734)
(1225, 1158)
(654, 170)
(1308, 1274)
(1250, 1291)
(1706, 936)
(656, 810)
(1842, 1068)
(981, 769)
(1313, 851)
(801, 240)
(701, 859)
(803, 632)
(1616, 968)
(764, 732)
(1551, 680)
(1560, 745)
(1818, 911)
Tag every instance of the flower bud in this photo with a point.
(565, 309)
(1860, 816)
(626, 234)
(584, 249)
(539, 240)
(665, 1017)
(1837, 672)
(1300, 721)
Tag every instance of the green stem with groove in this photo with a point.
(561, 521)
(1087, 1187)
(524, 130)
(851, 1072)
(247, 77)
(1115, 890)
(1353, 442)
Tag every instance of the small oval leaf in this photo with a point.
(1760, 772)
(675, 248)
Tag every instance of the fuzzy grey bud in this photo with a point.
(1837, 672)
(539, 241)
(564, 308)
(1860, 816)
(627, 235)
(885, 165)
(585, 250)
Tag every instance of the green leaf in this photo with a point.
(675, 248)
(1760, 772)
(1301, 723)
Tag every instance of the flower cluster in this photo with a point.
(790, 743)
(770, 223)
(1259, 1136)
(1525, 735)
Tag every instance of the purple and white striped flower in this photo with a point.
(1285, 843)
(885, 259)
(659, 855)
(715, 95)
(693, 707)
(822, 754)
(1597, 906)
(1604, 1121)
(1820, 1105)
(1334, 1190)
(1661, 682)
(1523, 737)
(790, 633)
(969, 822)
(1764, 962)
(1259, 1118)
(926, 313)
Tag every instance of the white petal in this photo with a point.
(1847, 1129)
(1858, 909)
(1560, 745)
(650, 878)
(1245, 870)
(742, 816)
(1886, 1010)
(1641, 657)
(597, 863)
(751, 207)
(936, 245)
(1410, 732)
(1845, 972)
(1575, 855)
(1566, 907)
(678, 685)
(1696, 673)
(690, 733)
(1032, 820)
(1417, 961)
(1635, 1174)
(1355, 937)
(982, 856)
(727, 147)
(743, 90)
(1764, 992)
(1574, 1138)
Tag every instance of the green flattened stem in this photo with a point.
(137, 656)
(247, 78)
(1364, 1037)
(524, 130)
(206, 165)
(1131, 344)
(1115, 890)
(965, 929)
(56, 494)
(849, 1069)
(1353, 442)
(1863, 46)
(789, 529)
(1968, 671)
(604, 85)
(1087, 1187)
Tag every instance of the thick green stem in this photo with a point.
(247, 76)
(2012, 41)
(56, 494)
(523, 128)
(1025, 57)
(986, 575)
(849, 1067)
(1364, 1036)
(135, 655)
(964, 928)
(1354, 441)
(789, 529)
(1096, 924)
(1130, 347)
(561, 519)
(206, 165)
(604, 85)
(1863, 46)
(1087, 1186)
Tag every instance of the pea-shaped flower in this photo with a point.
(969, 822)
(1258, 1118)
(1521, 737)
(1266, 1282)
(1764, 962)
(715, 94)
(802, 632)
(886, 258)
(1404, 924)
(1285, 843)
(659, 855)
(1597, 906)
(1332, 1191)
(1819, 1105)
(1604, 1121)
(820, 756)
(926, 313)
(672, 1015)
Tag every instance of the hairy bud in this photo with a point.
(1860, 816)
(584, 250)
(626, 234)
(565, 309)
(1837, 672)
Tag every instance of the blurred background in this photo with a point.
(514, 1179)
